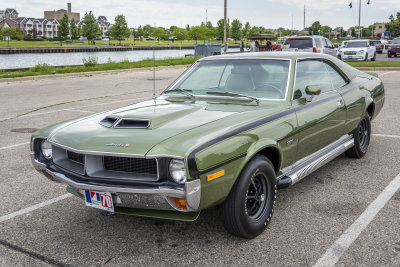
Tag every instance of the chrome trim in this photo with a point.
(307, 165)
(33, 141)
(191, 193)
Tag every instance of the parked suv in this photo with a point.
(359, 50)
(315, 43)
(339, 50)
(394, 48)
(378, 45)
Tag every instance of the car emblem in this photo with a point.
(118, 145)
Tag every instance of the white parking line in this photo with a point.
(21, 144)
(336, 251)
(386, 135)
(34, 207)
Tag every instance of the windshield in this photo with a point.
(356, 44)
(396, 41)
(300, 43)
(253, 78)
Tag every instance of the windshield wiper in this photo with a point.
(232, 94)
(184, 91)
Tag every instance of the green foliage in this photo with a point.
(147, 30)
(314, 28)
(91, 61)
(246, 29)
(201, 33)
(120, 28)
(209, 25)
(63, 28)
(325, 29)
(394, 26)
(139, 32)
(180, 34)
(236, 29)
(41, 68)
(159, 33)
(74, 30)
(90, 28)
(220, 29)
(11, 33)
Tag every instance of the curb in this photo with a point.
(88, 73)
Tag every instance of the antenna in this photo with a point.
(154, 76)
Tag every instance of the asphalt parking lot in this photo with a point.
(339, 213)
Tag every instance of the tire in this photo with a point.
(256, 188)
(362, 137)
(389, 55)
(366, 57)
(374, 58)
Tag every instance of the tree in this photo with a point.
(90, 28)
(173, 28)
(140, 32)
(187, 27)
(74, 30)
(246, 29)
(159, 33)
(147, 30)
(325, 29)
(63, 28)
(394, 26)
(120, 28)
(209, 25)
(11, 33)
(315, 28)
(220, 29)
(236, 29)
(180, 34)
(201, 33)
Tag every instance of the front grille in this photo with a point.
(132, 165)
(350, 52)
(79, 158)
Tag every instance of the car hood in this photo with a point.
(167, 119)
(353, 49)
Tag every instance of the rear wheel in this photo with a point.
(389, 55)
(362, 136)
(248, 209)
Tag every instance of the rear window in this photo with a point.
(376, 42)
(300, 43)
(396, 41)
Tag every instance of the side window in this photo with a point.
(329, 43)
(311, 72)
(337, 79)
(318, 42)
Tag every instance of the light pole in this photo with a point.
(225, 18)
(359, 20)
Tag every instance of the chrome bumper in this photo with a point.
(191, 193)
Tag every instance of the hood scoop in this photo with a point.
(125, 123)
(108, 121)
(132, 123)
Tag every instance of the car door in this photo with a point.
(371, 49)
(328, 47)
(321, 117)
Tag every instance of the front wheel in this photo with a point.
(362, 136)
(374, 58)
(248, 209)
(389, 55)
(366, 57)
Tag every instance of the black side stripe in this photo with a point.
(194, 171)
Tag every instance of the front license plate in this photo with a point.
(99, 200)
(350, 56)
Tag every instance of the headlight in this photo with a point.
(47, 151)
(177, 170)
(361, 52)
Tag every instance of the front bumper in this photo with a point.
(353, 57)
(160, 197)
(394, 51)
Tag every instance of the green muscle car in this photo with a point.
(229, 131)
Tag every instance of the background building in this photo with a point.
(380, 27)
(60, 13)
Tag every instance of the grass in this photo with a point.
(129, 41)
(44, 69)
(375, 64)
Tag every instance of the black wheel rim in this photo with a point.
(257, 195)
(363, 137)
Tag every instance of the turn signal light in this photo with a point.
(180, 203)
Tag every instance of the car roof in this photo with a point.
(268, 55)
(359, 40)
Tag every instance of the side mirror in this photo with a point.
(313, 90)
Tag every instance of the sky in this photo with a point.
(270, 14)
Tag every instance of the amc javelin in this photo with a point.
(228, 132)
